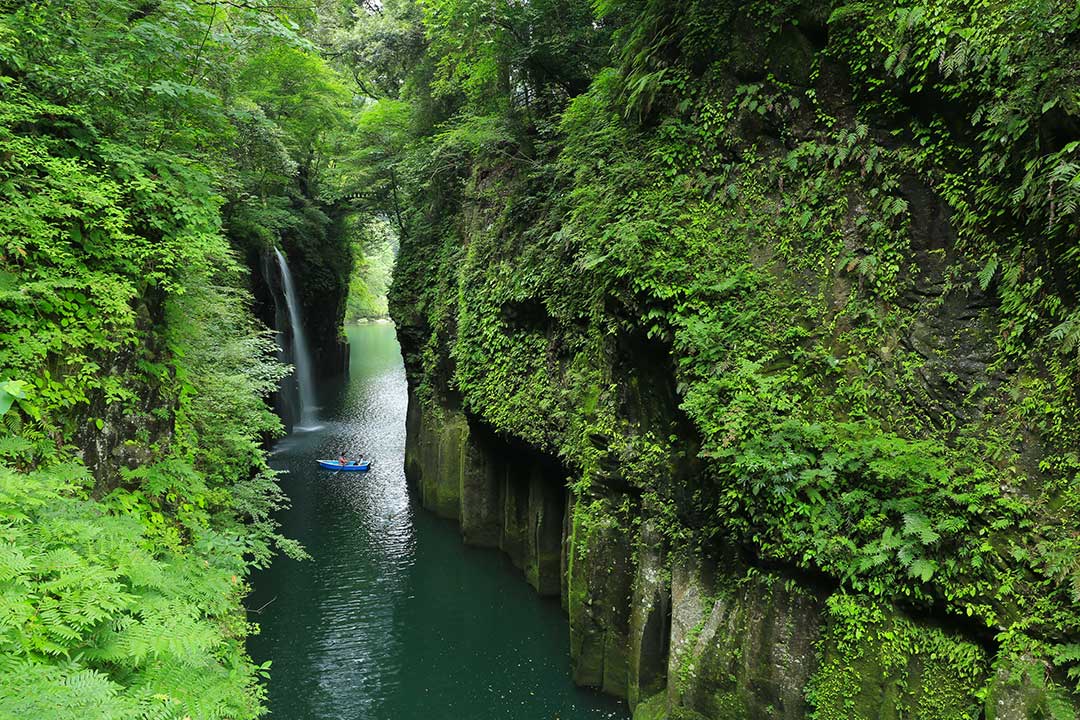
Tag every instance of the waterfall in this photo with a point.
(301, 357)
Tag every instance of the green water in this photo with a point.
(394, 618)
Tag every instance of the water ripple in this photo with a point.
(393, 618)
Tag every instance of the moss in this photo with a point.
(454, 434)
(877, 663)
(440, 461)
(543, 537)
(686, 674)
(730, 705)
(599, 585)
(655, 708)
(1021, 690)
(586, 657)
(616, 662)
(650, 625)
(482, 487)
(791, 56)
(751, 648)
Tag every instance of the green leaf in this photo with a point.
(923, 569)
(10, 391)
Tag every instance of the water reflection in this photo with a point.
(394, 618)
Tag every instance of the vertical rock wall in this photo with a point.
(684, 637)
(516, 500)
(784, 295)
(599, 578)
(500, 496)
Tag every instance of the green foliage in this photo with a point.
(375, 244)
(879, 664)
(1014, 175)
(99, 619)
(510, 56)
(145, 148)
(382, 48)
(10, 391)
(822, 257)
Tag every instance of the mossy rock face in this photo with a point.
(751, 648)
(453, 436)
(543, 540)
(650, 610)
(564, 553)
(1013, 698)
(482, 480)
(422, 468)
(499, 500)
(880, 665)
(746, 48)
(789, 253)
(655, 708)
(1020, 691)
(685, 714)
(414, 420)
(791, 56)
(435, 458)
(599, 577)
(515, 514)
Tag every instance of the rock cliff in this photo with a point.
(776, 325)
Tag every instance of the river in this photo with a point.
(394, 618)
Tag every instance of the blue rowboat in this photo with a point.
(351, 467)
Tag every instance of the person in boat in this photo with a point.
(342, 459)
(359, 460)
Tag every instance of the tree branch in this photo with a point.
(198, 55)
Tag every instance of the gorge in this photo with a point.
(747, 331)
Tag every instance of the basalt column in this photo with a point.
(501, 494)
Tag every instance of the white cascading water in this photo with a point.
(300, 355)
